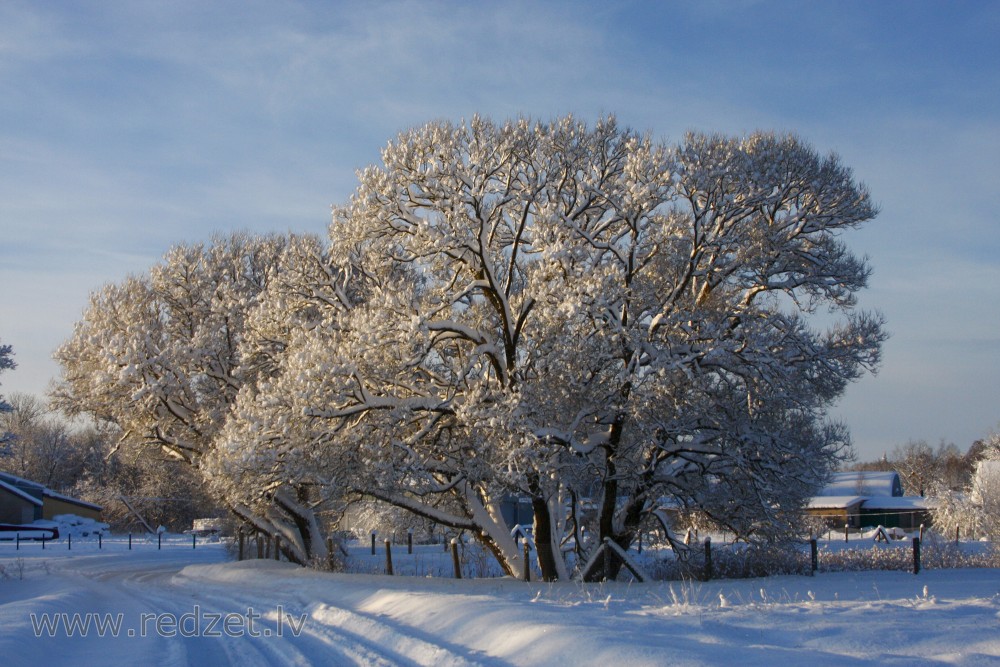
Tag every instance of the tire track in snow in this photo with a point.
(361, 638)
(330, 634)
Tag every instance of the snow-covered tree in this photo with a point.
(975, 510)
(6, 363)
(160, 357)
(580, 315)
(39, 448)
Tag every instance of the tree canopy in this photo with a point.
(611, 326)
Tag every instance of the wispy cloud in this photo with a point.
(128, 127)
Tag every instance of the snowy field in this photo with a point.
(180, 606)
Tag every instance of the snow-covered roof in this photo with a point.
(863, 483)
(19, 493)
(27, 489)
(20, 481)
(835, 502)
(851, 503)
(67, 499)
(898, 503)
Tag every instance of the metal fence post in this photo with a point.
(708, 558)
(454, 558)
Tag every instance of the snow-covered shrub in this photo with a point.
(953, 511)
(877, 556)
(939, 552)
(733, 561)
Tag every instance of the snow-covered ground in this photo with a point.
(180, 606)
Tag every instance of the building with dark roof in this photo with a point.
(24, 501)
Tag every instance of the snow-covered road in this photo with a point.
(193, 607)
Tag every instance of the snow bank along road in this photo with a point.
(182, 606)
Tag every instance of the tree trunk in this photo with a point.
(302, 539)
(543, 540)
(303, 528)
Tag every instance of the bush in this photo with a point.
(740, 561)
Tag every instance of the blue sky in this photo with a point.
(128, 127)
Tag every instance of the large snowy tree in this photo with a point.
(160, 356)
(580, 315)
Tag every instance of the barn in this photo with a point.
(865, 499)
(24, 501)
(17, 506)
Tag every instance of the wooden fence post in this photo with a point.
(409, 541)
(847, 535)
(130, 541)
(277, 547)
(527, 563)
(239, 538)
(100, 540)
(373, 543)
(260, 546)
(194, 539)
(388, 556)
(814, 550)
(956, 534)
(708, 558)
(69, 541)
(921, 532)
(916, 555)
(159, 541)
(454, 558)
(329, 553)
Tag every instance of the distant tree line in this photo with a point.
(926, 470)
(86, 463)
